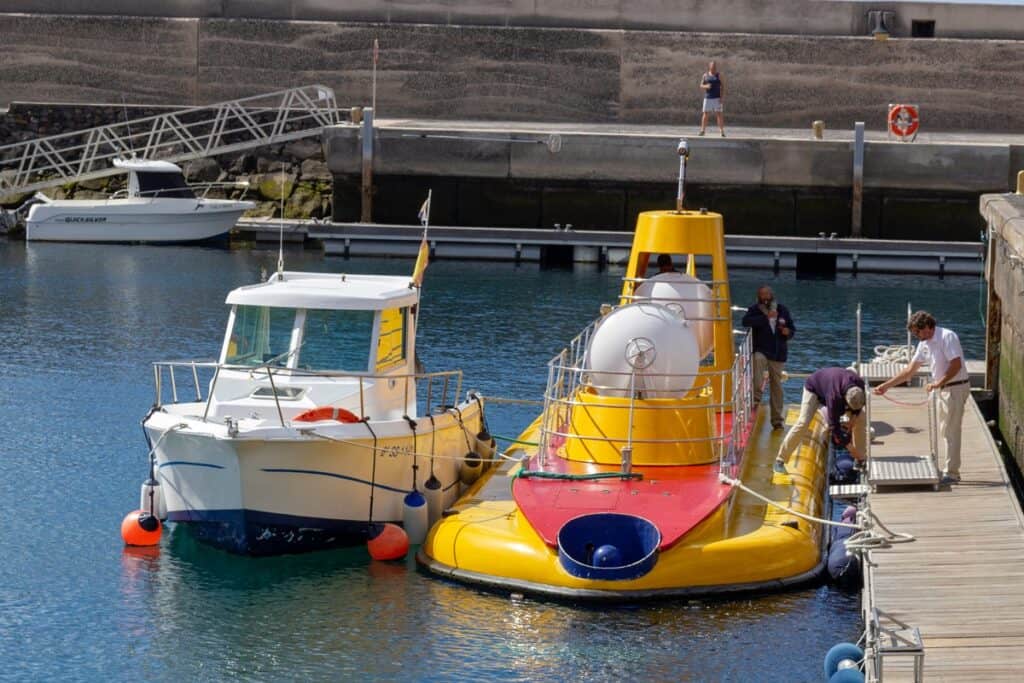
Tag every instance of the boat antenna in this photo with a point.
(683, 150)
(280, 233)
(124, 106)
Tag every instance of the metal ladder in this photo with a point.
(179, 135)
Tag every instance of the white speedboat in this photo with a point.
(157, 206)
(316, 427)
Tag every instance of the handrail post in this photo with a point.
(277, 402)
(174, 386)
(195, 379)
(213, 388)
(158, 384)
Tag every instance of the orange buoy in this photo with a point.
(140, 528)
(391, 543)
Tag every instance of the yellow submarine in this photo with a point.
(649, 469)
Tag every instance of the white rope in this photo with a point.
(895, 353)
(810, 518)
(866, 537)
(513, 401)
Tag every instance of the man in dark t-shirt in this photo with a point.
(714, 91)
(841, 391)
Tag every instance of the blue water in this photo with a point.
(79, 327)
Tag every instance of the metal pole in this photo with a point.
(366, 216)
(684, 153)
(859, 368)
(858, 179)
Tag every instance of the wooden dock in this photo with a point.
(960, 582)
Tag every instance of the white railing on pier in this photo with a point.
(175, 136)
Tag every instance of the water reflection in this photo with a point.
(81, 327)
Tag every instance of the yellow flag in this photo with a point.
(421, 262)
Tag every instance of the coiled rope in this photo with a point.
(865, 538)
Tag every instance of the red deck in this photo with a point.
(673, 498)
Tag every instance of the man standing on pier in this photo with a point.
(714, 90)
(940, 348)
(771, 329)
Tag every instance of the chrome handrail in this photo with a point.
(444, 377)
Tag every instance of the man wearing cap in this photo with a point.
(841, 391)
(940, 348)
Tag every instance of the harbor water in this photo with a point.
(80, 326)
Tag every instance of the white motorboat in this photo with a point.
(316, 427)
(158, 206)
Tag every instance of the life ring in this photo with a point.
(326, 413)
(903, 120)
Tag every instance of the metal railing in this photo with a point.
(568, 374)
(434, 390)
(179, 135)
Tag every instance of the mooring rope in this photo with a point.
(865, 537)
(513, 401)
(910, 404)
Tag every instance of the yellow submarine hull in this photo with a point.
(745, 544)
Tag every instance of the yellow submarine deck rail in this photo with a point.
(443, 387)
(568, 374)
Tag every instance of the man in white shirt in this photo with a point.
(940, 348)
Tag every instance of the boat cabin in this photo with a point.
(307, 340)
(155, 179)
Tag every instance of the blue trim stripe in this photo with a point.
(175, 463)
(288, 470)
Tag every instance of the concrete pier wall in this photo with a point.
(1004, 215)
(516, 72)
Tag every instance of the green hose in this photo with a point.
(540, 474)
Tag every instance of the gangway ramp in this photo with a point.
(179, 135)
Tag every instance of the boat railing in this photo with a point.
(568, 375)
(719, 300)
(195, 187)
(433, 390)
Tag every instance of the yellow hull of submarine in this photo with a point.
(744, 544)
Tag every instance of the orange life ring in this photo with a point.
(326, 413)
(903, 120)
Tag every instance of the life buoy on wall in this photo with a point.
(326, 413)
(903, 120)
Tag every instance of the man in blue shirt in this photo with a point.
(714, 90)
(771, 328)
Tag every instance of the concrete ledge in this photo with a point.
(516, 152)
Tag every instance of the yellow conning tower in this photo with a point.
(700, 235)
(656, 377)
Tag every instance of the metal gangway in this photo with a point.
(178, 135)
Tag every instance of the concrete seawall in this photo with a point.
(600, 177)
(525, 73)
(1004, 215)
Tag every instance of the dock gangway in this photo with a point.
(176, 136)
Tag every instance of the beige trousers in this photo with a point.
(809, 405)
(951, 402)
(774, 369)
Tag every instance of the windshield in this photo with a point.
(260, 335)
(336, 340)
(164, 185)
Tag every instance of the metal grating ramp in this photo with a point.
(903, 470)
(848, 491)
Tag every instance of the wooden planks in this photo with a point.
(960, 581)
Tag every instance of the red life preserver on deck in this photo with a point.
(903, 120)
(326, 413)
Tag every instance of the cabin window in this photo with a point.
(336, 340)
(391, 340)
(164, 185)
(261, 334)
